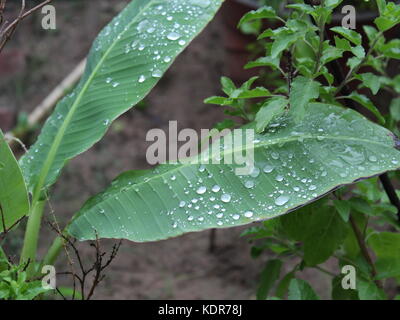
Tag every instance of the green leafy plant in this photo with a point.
(307, 145)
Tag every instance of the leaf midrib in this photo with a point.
(259, 145)
(57, 141)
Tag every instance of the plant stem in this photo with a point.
(345, 91)
(54, 251)
(29, 248)
(355, 70)
(364, 250)
(391, 192)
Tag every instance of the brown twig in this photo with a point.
(44, 108)
(3, 224)
(364, 250)
(7, 30)
(98, 266)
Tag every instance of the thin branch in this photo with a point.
(44, 108)
(344, 90)
(364, 250)
(8, 31)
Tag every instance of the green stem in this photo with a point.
(355, 70)
(29, 249)
(54, 251)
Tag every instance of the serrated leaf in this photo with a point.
(331, 53)
(301, 7)
(335, 146)
(258, 92)
(282, 42)
(370, 81)
(263, 62)
(371, 33)
(264, 12)
(389, 16)
(14, 201)
(126, 61)
(270, 109)
(301, 290)
(301, 92)
(349, 34)
(391, 49)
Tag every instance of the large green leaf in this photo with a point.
(14, 202)
(295, 163)
(127, 59)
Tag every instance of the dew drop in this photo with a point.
(216, 188)
(281, 200)
(249, 184)
(173, 36)
(142, 79)
(201, 190)
(268, 168)
(248, 214)
(225, 197)
(157, 74)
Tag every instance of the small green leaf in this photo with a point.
(283, 286)
(263, 62)
(331, 53)
(302, 91)
(269, 275)
(389, 17)
(358, 51)
(353, 62)
(371, 33)
(343, 208)
(338, 293)
(391, 49)
(365, 102)
(370, 81)
(349, 34)
(258, 92)
(218, 100)
(395, 109)
(301, 7)
(262, 13)
(301, 290)
(282, 42)
(342, 44)
(367, 290)
(272, 108)
(227, 85)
